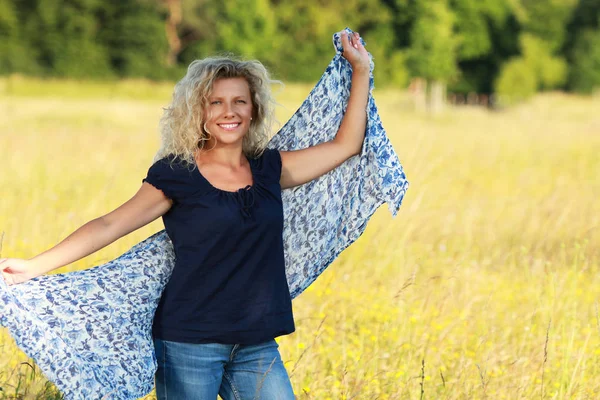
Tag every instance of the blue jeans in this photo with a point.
(189, 371)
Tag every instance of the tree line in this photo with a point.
(509, 47)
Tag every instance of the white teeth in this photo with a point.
(228, 126)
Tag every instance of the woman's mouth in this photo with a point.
(229, 127)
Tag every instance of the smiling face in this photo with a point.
(229, 112)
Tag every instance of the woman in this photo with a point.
(219, 194)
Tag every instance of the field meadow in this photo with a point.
(485, 286)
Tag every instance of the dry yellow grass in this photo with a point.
(486, 286)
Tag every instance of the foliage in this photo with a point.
(433, 51)
(474, 20)
(547, 20)
(135, 37)
(390, 65)
(550, 70)
(583, 47)
(585, 73)
(469, 44)
(516, 82)
(536, 69)
(13, 51)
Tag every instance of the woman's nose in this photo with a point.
(229, 111)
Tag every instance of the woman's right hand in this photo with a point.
(15, 270)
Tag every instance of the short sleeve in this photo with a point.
(271, 163)
(162, 176)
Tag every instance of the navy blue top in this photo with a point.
(228, 283)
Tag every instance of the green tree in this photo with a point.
(306, 28)
(537, 69)
(252, 33)
(390, 61)
(514, 46)
(485, 37)
(433, 52)
(547, 20)
(583, 47)
(541, 64)
(79, 54)
(197, 30)
(585, 73)
(134, 33)
(517, 82)
(212, 27)
(63, 35)
(13, 49)
(550, 70)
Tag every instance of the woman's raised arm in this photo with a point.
(304, 165)
(144, 207)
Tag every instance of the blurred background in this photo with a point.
(486, 284)
(507, 48)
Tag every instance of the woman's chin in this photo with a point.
(229, 140)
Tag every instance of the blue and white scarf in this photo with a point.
(90, 331)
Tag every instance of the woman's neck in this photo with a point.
(227, 156)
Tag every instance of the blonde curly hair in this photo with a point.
(182, 125)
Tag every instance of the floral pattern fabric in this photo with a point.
(90, 331)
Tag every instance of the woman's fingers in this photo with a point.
(3, 266)
(11, 270)
(347, 44)
(352, 40)
(4, 275)
(354, 51)
(6, 278)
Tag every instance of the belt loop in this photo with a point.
(233, 350)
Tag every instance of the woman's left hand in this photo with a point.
(355, 52)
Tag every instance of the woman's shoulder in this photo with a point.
(269, 163)
(172, 165)
(269, 156)
(172, 175)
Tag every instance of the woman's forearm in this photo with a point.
(89, 238)
(144, 207)
(352, 129)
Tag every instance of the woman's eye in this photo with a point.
(242, 101)
(215, 102)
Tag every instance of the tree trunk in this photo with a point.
(437, 97)
(418, 89)
(173, 20)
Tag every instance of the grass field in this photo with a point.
(486, 286)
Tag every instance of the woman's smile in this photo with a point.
(229, 111)
(229, 126)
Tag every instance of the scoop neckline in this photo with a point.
(242, 189)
